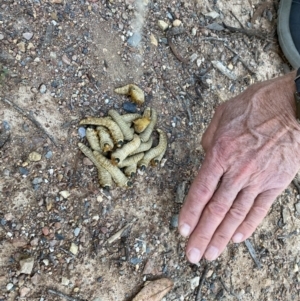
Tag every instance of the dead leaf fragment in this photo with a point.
(154, 290)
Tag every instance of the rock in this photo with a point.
(1, 36)
(46, 262)
(66, 60)
(212, 15)
(176, 23)
(23, 171)
(150, 268)
(57, 1)
(129, 107)
(65, 281)
(43, 88)
(193, 57)
(136, 260)
(134, 40)
(24, 291)
(48, 155)
(86, 161)
(27, 35)
(8, 216)
(180, 193)
(81, 132)
(34, 242)
(36, 278)
(174, 221)
(215, 26)
(77, 231)
(45, 231)
(21, 46)
(64, 193)
(9, 286)
(297, 207)
(73, 248)
(194, 31)
(26, 265)
(162, 25)
(153, 40)
(37, 181)
(34, 157)
(194, 282)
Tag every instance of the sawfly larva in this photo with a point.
(125, 128)
(106, 143)
(148, 131)
(136, 93)
(120, 154)
(93, 139)
(104, 176)
(141, 124)
(154, 152)
(128, 118)
(131, 160)
(155, 161)
(117, 175)
(144, 146)
(147, 113)
(130, 171)
(112, 126)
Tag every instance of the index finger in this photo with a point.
(201, 191)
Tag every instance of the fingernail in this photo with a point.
(184, 230)
(194, 255)
(237, 238)
(212, 253)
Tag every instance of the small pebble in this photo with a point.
(48, 155)
(59, 236)
(136, 260)
(6, 125)
(77, 231)
(37, 181)
(27, 35)
(65, 281)
(45, 231)
(43, 88)
(73, 248)
(34, 157)
(134, 40)
(21, 46)
(174, 221)
(129, 107)
(26, 265)
(162, 25)
(81, 132)
(9, 286)
(1, 36)
(24, 291)
(46, 262)
(23, 171)
(176, 23)
(64, 193)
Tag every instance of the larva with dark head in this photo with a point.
(120, 154)
(128, 118)
(131, 160)
(145, 136)
(93, 139)
(155, 161)
(106, 143)
(144, 146)
(130, 171)
(105, 179)
(117, 175)
(125, 128)
(156, 151)
(113, 127)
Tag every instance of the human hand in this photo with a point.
(252, 150)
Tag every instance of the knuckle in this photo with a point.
(200, 237)
(238, 212)
(217, 209)
(260, 211)
(222, 237)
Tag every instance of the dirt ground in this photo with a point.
(60, 62)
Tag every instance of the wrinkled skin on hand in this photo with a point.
(252, 150)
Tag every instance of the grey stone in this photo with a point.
(81, 132)
(27, 35)
(174, 221)
(134, 40)
(26, 265)
(37, 181)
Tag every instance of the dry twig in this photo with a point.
(252, 253)
(60, 294)
(199, 293)
(31, 118)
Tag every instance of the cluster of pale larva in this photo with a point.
(120, 144)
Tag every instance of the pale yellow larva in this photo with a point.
(131, 160)
(144, 146)
(120, 154)
(128, 118)
(155, 161)
(136, 93)
(106, 142)
(156, 151)
(125, 128)
(141, 124)
(130, 171)
(117, 175)
(145, 135)
(93, 139)
(113, 127)
(104, 176)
